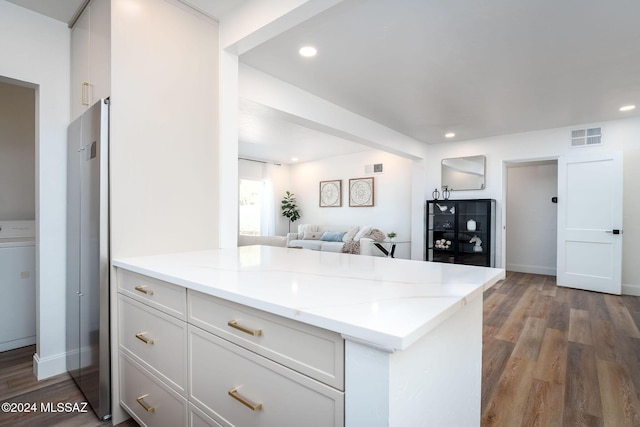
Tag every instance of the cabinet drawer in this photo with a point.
(198, 418)
(154, 339)
(164, 296)
(225, 380)
(312, 351)
(139, 390)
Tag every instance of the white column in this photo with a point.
(435, 382)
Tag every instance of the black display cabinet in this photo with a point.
(461, 231)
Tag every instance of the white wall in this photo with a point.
(35, 49)
(619, 135)
(17, 152)
(164, 129)
(392, 198)
(531, 220)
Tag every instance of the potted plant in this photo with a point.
(392, 235)
(290, 208)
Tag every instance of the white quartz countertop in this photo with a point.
(385, 302)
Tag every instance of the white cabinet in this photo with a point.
(312, 351)
(240, 388)
(168, 298)
(148, 399)
(197, 418)
(152, 348)
(154, 339)
(90, 56)
(211, 362)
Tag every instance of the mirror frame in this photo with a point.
(469, 178)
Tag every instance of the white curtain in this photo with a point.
(267, 211)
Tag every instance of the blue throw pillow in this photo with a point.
(333, 236)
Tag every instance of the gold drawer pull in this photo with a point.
(254, 332)
(146, 407)
(144, 339)
(144, 290)
(254, 407)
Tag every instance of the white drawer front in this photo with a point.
(198, 418)
(164, 296)
(287, 398)
(154, 339)
(139, 390)
(312, 351)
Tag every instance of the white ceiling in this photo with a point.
(64, 10)
(272, 135)
(427, 67)
(60, 10)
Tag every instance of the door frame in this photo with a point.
(503, 210)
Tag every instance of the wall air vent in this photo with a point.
(377, 168)
(586, 137)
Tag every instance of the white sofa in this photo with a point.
(309, 236)
(262, 240)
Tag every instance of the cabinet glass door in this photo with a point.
(473, 233)
(460, 231)
(441, 230)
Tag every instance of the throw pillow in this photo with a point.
(348, 236)
(363, 232)
(311, 235)
(306, 227)
(333, 236)
(376, 235)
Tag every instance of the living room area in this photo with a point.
(264, 184)
(382, 101)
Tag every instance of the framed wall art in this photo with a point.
(331, 193)
(361, 192)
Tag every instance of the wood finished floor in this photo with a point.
(18, 384)
(555, 356)
(551, 357)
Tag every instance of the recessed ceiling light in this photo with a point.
(449, 135)
(627, 108)
(308, 51)
(294, 159)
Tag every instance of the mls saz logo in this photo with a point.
(66, 407)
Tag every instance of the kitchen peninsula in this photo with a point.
(257, 335)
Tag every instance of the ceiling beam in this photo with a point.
(256, 21)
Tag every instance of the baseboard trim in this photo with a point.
(22, 342)
(629, 289)
(532, 269)
(49, 366)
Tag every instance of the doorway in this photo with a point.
(17, 214)
(531, 216)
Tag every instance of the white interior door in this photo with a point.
(590, 222)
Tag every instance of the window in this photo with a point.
(251, 196)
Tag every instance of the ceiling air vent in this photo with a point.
(377, 168)
(586, 137)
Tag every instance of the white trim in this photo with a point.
(49, 366)
(21, 342)
(532, 269)
(629, 289)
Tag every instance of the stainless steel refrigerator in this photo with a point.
(87, 339)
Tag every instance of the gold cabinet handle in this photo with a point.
(254, 332)
(146, 407)
(85, 93)
(254, 407)
(144, 290)
(144, 339)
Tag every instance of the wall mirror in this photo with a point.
(463, 173)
